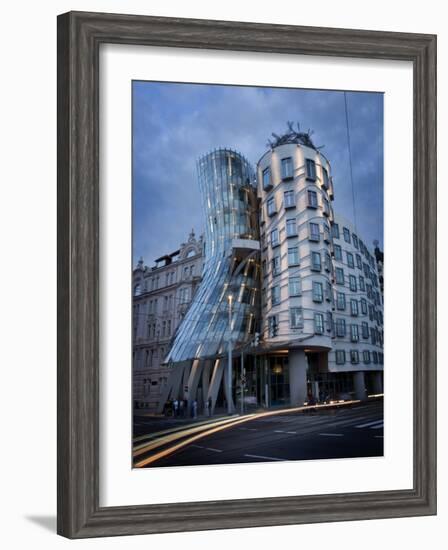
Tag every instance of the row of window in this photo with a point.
(357, 243)
(290, 202)
(291, 231)
(294, 260)
(287, 172)
(338, 326)
(170, 279)
(375, 357)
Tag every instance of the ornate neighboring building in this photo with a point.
(162, 295)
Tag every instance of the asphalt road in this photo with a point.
(330, 433)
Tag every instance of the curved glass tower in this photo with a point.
(231, 265)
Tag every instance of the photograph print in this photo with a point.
(257, 275)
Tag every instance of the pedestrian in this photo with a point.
(175, 407)
(194, 409)
(206, 409)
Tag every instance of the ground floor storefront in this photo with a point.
(274, 380)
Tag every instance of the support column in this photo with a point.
(193, 381)
(298, 364)
(228, 395)
(378, 381)
(359, 385)
(215, 383)
(173, 384)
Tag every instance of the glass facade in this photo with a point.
(231, 264)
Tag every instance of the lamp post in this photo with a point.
(229, 359)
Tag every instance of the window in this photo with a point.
(326, 208)
(272, 326)
(365, 329)
(291, 228)
(363, 306)
(137, 290)
(355, 240)
(316, 264)
(312, 199)
(337, 253)
(366, 356)
(339, 276)
(293, 256)
(289, 200)
(275, 295)
(354, 307)
(271, 206)
(354, 333)
(314, 232)
(274, 237)
(354, 356)
(295, 286)
(275, 263)
(318, 323)
(380, 358)
(346, 235)
(358, 261)
(375, 357)
(266, 178)
(350, 261)
(287, 170)
(324, 178)
(340, 301)
(296, 317)
(335, 231)
(310, 170)
(318, 292)
(169, 328)
(352, 283)
(340, 356)
(340, 328)
(373, 336)
(327, 237)
(362, 285)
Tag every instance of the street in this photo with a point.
(326, 432)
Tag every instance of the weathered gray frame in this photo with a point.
(79, 37)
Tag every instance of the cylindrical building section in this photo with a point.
(295, 187)
(231, 264)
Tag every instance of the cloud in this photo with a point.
(175, 124)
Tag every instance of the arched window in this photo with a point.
(191, 252)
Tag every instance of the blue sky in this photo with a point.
(174, 124)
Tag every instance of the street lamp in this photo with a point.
(229, 359)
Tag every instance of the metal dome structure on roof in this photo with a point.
(293, 136)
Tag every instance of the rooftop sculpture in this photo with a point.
(293, 136)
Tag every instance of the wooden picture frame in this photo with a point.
(79, 38)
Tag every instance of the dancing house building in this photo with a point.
(289, 306)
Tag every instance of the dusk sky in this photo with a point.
(175, 124)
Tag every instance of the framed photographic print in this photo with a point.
(246, 273)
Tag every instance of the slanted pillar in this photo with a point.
(193, 381)
(215, 383)
(298, 364)
(359, 385)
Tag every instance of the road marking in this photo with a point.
(198, 446)
(290, 432)
(279, 431)
(214, 450)
(379, 427)
(368, 424)
(332, 435)
(264, 457)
